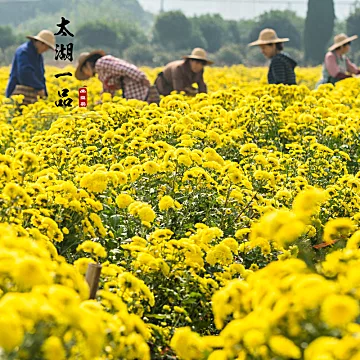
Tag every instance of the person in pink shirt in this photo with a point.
(336, 65)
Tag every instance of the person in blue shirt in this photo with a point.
(27, 75)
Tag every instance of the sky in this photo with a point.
(239, 9)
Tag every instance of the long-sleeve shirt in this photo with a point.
(27, 69)
(177, 76)
(281, 70)
(333, 67)
(116, 74)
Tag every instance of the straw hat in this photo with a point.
(268, 36)
(199, 54)
(81, 61)
(340, 40)
(46, 37)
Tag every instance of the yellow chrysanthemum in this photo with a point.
(166, 203)
(339, 310)
(124, 200)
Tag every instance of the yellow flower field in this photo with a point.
(227, 225)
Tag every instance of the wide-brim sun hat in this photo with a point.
(199, 54)
(81, 61)
(340, 40)
(46, 37)
(268, 36)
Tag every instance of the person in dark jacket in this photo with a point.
(180, 75)
(282, 66)
(27, 75)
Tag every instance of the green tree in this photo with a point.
(197, 39)
(353, 27)
(230, 54)
(97, 34)
(214, 30)
(233, 32)
(139, 54)
(244, 28)
(7, 55)
(285, 23)
(7, 37)
(172, 30)
(319, 27)
(129, 33)
(34, 16)
(12, 13)
(117, 36)
(162, 57)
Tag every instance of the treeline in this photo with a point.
(32, 14)
(172, 35)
